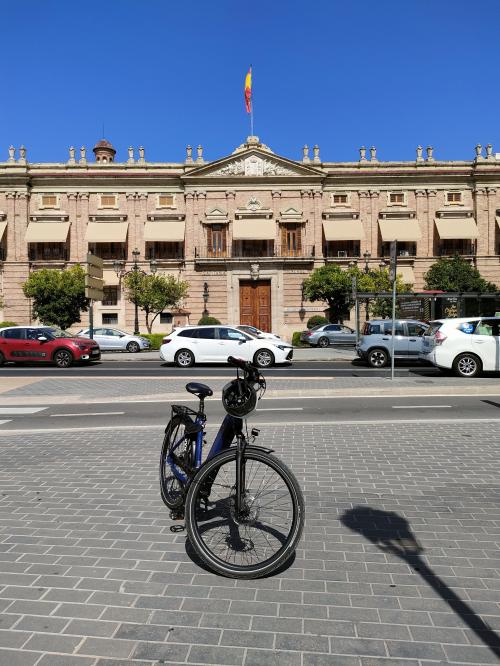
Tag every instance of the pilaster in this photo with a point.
(276, 199)
(231, 205)
(481, 200)
(135, 224)
(11, 226)
(83, 212)
(74, 254)
(421, 213)
(365, 217)
(492, 222)
(189, 246)
(21, 219)
(201, 199)
(431, 227)
(317, 210)
(374, 205)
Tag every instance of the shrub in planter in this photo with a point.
(296, 341)
(154, 338)
(316, 320)
(3, 324)
(208, 320)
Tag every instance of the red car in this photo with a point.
(45, 344)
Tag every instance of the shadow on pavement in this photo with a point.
(391, 533)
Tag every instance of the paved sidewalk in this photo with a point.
(399, 564)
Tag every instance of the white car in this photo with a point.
(213, 344)
(257, 332)
(110, 339)
(466, 345)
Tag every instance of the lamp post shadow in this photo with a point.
(391, 533)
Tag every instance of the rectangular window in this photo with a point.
(110, 296)
(454, 197)
(291, 241)
(340, 199)
(396, 198)
(216, 237)
(165, 201)
(110, 318)
(165, 318)
(49, 201)
(108, 200)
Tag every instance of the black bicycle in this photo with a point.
(243, 507)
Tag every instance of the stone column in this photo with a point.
(134, 223)
(200, 216)
(431, 227)
(83, 220)
(481, 215)
(374, 201)
(364, 216)
(317, 205)
(492, 222)
(421, 212)
(11, 225)
(189, 246)
(22, 220)
(73, 228)
(137, 220)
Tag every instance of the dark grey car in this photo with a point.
(329, 334)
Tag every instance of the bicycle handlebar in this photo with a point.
(250, 370)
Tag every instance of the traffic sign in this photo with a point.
(94, 284)
(394, 261)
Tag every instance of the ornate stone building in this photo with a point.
(244, 230)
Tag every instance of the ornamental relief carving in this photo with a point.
(253, 166)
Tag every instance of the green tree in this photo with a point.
(456, 274)
(58, 296)
(154, 293)
(332, 284)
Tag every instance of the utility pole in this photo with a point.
(392, 276)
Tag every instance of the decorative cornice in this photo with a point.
(397, 215)
(341, 214)
(60, 216)
(165, 216)
(108, 217)
(446, 214)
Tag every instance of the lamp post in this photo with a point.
(119, 266)
(367, 256)
(354, 287)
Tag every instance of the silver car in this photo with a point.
(375, 343)
(329, 334)
(112, 339)
(257, 332)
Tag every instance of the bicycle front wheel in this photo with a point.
(263, 534)
(171, 487)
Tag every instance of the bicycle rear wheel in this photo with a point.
(266, 531)
(172, 488)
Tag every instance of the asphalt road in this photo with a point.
(342, 410)
(153, 367)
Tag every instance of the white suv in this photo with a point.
(213, 344)
(467, 345)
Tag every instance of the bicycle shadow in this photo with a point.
(391, 533)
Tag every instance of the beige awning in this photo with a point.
(254, 229)
(47, 232)
(171, 231)
(400, 230)
(339, 230)
(110, 278)
(3, 227)
(461, 227)
(106, 232)
(498, 222)
(406, 273)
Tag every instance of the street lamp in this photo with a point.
(354, 287)
(119, 267)
(205, 297)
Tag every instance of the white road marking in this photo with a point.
(280, 409)
(14, 411)
(7, 421)
(92, 414)
(421, 406)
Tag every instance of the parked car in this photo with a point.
(114, 339)
(45, 344)
(257, 332)
(329, 334)
(213, 344)
(375, 343)
(466, 345)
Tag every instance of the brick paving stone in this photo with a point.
(94, 560)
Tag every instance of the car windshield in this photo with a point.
(56, 333)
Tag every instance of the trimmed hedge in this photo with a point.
(206, 320)
(154, 338)
(296, 341)
(3, 324)
(316, 320)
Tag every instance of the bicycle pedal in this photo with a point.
(177, 514)
(177, 528)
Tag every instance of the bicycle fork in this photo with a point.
(239, 500)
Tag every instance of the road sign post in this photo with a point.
(94, 285)
(392, 276)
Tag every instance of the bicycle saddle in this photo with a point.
(201, 390)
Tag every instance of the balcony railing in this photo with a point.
(467, 249)
(48, 253)
(109, 251)
(237, 252)
(165, 254)
(332, 252)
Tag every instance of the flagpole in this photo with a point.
(251, 106)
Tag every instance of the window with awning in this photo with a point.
(106, 232)
(451, 228)
(171, 231)
(339, 230)
(252, 229)
(47, 232)
(400, 230)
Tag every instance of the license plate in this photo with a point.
(94, 352)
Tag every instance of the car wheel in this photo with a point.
(133, 347)
(323, 342)
(2, 359)
(378, 358)
(63, 358)
(467, 365)
(263, 358)
(184, 358)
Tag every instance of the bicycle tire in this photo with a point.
(197, 527)
(172, 490)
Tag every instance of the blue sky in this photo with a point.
(162, 74)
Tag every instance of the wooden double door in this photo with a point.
(255, 303)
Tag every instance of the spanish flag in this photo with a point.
(248, 91)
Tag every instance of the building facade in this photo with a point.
(244, 231)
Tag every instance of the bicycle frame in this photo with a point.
(230, 428)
